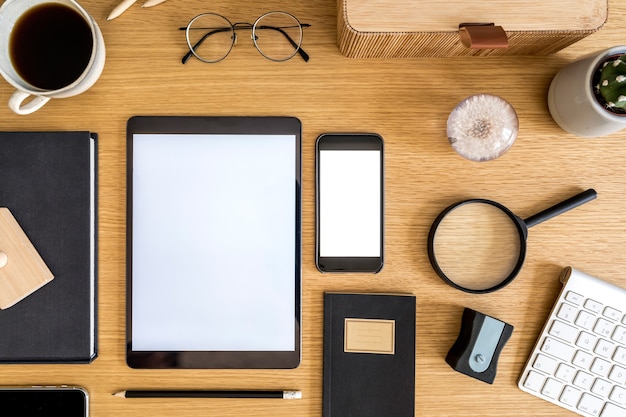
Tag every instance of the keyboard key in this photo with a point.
(557, 349)
(618, 395)
(545, 364)
(575, 298)
(612, 313)
(620, 355)
(563, 331)
(603, 327)
(567, 312)
(593, 305)
(552, 388)
(582, 359)
(590, 404)
(583, 380)
(618, 375)
(570, 396)
(565, 372)
(601, 387)
(586, 340)
(611, 410)
(604, 348)
(601, 367)
(585, 320)
(534, 381)
(619, 335)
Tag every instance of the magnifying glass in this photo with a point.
(479, 246)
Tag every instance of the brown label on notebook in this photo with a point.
(369, 336)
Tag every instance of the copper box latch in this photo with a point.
(483, 36)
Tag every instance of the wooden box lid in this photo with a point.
(437, 16)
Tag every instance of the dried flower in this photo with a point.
(482, 127)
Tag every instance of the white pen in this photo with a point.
(150, 3)
(120, 8)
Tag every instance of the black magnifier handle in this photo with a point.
(561, 207)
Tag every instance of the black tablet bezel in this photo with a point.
(213, 359)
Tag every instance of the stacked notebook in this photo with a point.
(48, 182)
(369, 355)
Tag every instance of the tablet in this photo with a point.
(213, 242)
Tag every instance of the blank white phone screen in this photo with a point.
(350, 203)
(214, 242)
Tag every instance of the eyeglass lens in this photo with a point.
(210, 37)
(277, 35)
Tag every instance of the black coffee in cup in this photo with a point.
(50, 46)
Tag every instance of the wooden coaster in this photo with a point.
(22, 271)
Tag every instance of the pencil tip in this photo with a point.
(120, 394)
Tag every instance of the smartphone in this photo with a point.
(66, 401)
(349, 202)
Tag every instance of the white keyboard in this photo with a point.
(579, 360)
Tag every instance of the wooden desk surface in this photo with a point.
(407, 102)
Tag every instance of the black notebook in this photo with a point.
(369, 355)
(48, 181)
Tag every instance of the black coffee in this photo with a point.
(50, 46)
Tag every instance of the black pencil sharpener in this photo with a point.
(477, 348)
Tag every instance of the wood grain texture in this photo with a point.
(431, 16)
(407, 102)
(22, 271)
(418, 28)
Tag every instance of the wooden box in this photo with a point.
(430, 28)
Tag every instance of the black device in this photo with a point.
(477, 348)
(349, 202)
(213, 249)
(66, 401)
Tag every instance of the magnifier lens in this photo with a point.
(477, 245)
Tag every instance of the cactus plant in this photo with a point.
(611, 84)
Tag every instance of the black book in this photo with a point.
(48, 182)
(369, 355)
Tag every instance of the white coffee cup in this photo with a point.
(10, 13)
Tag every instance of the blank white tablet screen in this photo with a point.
(213, 238)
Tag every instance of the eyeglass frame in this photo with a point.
(245, 25)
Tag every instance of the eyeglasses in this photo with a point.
(276, 35)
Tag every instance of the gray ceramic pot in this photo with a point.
(572, 103)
